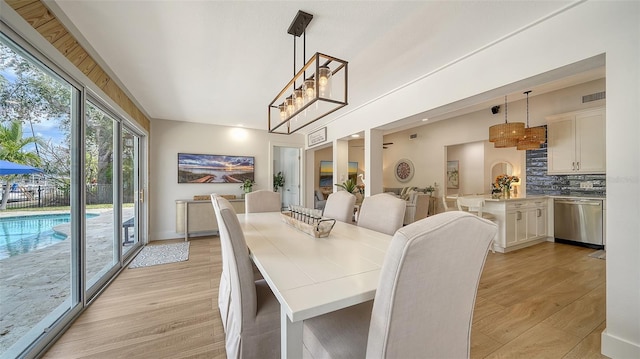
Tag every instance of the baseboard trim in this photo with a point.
(615, 347)
(173, 235)
(519, 246)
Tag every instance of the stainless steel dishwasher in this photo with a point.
(578, 220)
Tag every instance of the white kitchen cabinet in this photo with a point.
(576, 142)
(511, 232)
(521, 222)
(541, 221)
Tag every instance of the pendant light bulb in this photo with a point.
(309, 89)
(291, 108)
(299, 98)
(324, 79)
(283, 111)
(324, 73)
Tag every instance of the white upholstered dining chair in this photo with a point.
(423, 307)
(417, 207)
(262, 201)
(253, 317)
(473, 205)
(224, 288)
(382, 213)
(340, 206)
(446, 200)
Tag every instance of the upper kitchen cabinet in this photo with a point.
(576, 142)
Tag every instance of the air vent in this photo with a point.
(412, 136)
(594, 97)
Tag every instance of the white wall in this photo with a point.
(581, 31)
(172, 137)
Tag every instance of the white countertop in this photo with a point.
(489, 198)
(579, 197)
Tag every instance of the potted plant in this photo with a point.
(278, 181)
(349, 186)
(247, 185)
(429, 190)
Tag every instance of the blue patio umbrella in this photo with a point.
(10, 168)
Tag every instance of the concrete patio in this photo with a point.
(34, 284)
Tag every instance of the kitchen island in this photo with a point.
(522, 222)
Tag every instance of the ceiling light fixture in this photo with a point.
(506, 134)
(317, 90)
(533, 136)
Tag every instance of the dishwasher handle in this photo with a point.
(579, 202)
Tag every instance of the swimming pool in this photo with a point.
(22, 234)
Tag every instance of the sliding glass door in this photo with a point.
(40, 281)
(132, 194)
(68, 226)
(101, 247)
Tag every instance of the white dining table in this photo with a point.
(313, 276)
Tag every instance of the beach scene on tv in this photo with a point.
(198, 168)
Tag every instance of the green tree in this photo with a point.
(99, 152)
(29, 93)
(12, 148)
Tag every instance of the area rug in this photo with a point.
(600, 254)
(161, 254)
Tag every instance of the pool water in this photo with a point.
(22, 234)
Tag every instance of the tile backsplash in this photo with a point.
(539, 183)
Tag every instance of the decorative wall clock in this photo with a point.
(404, 170)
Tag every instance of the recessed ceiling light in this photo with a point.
(425, 119)
(355, 135)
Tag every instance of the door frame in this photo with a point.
(272, 146)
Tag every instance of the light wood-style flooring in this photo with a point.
(546, 301)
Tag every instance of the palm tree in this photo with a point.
(12, 146)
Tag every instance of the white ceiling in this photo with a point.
(222, 62)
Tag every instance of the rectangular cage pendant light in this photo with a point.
(317, 90)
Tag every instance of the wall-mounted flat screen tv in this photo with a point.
(201, 168)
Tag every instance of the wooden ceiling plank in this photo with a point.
(87, 65)
(52, 30)
(19, 4)
(98, 76)
(65, 44)
(76, 55)
(35, 13)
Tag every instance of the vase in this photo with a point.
(506, 192)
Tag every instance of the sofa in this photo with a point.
(318, 200)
